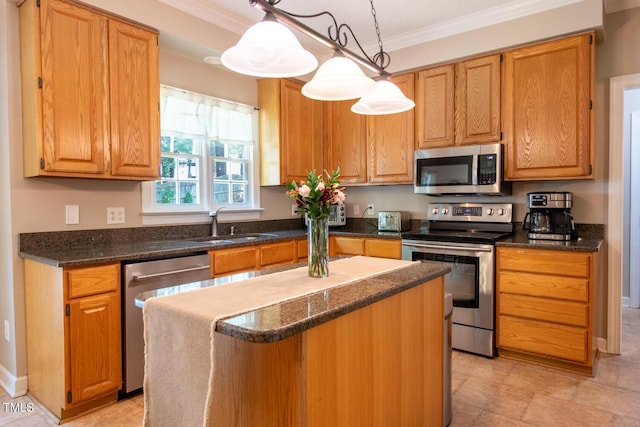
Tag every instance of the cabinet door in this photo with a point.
(547, 120)
(340, 245)
(135, 97)
(346, 142)
(390, 141)
(94, 346)
(383, 248)
(435, 98)
(277, 253)
(478, 100)
(75, 110)
(233, 261)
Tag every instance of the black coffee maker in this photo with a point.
(549, 216)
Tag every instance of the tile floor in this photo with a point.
(497, 392)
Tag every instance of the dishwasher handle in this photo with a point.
(140, 277)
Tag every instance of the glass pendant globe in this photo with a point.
(338, 79)
(386, 99)
(269, 49)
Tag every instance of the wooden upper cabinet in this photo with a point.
(345, 141)
(459, 104)
(547, 119)
(290, 131)
(135, 100)
(435, 100)
(87, 93)
(74, 91)
(478, 100)
(390, 141)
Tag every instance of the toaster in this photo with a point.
(394, 221)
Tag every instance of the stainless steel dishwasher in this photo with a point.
(146, 276)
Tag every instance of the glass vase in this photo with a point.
(318, 235)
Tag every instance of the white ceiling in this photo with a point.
(402, 23)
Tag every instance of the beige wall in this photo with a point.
(38, 204)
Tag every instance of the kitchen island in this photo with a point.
(363, 346)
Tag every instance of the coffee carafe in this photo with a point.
(549, 216)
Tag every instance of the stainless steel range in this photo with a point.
(464, 235)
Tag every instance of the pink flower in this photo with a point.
(320, 186)
(339, 196)
(304, 190)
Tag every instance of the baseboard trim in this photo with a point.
(14, 386)
(601, 344)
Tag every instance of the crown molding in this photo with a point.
(215, 15)
(611, 6)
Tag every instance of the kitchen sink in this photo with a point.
(231, 238)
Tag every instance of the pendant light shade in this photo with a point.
(269, 49)
(386, 99)
(338, 79)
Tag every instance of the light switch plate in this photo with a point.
(72, 214)
(115, 215)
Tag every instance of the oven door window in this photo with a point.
(447, 171)
(463, 282)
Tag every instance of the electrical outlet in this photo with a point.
(294, 209)
(115, 215)
(370, 209)
(7, 335)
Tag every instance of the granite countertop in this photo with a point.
(281, 320)
(586, 242)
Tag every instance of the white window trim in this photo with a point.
(173, 216)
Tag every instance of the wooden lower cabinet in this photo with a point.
(380, 365)
(383, 248)
(73, 322)
(545, 307)
(249, 258)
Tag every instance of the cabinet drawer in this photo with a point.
(347, 246)
(569, 313)
(233, 260)
(543, 261)
(92, 280)
(547, 339)
(541, 285)
(277, 253)
(383, 248)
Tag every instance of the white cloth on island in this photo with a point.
(179, 332)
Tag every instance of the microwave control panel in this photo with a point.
(487, 169)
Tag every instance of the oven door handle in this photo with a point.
(139, 277)
(455, 248)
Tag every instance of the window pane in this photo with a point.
(188, 168)
(238, 171)
(237, 151)
(183, 145)
(188, 193)
(165, 144)
(239, 193)
(216, 149)
(165, 193)
(220, 171)
(220, 193)
(168, 167)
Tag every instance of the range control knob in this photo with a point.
(501, 211)
(445, 211)
(434, 211)
(490, 211)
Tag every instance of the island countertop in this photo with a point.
(283, 319)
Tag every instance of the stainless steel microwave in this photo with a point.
(469, 169)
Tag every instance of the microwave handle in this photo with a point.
(474, 170)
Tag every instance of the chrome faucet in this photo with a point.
(214, 221)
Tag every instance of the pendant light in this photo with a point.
(269, 49)
(338, 79)
(386, 99)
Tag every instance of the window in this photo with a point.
(208, 156)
